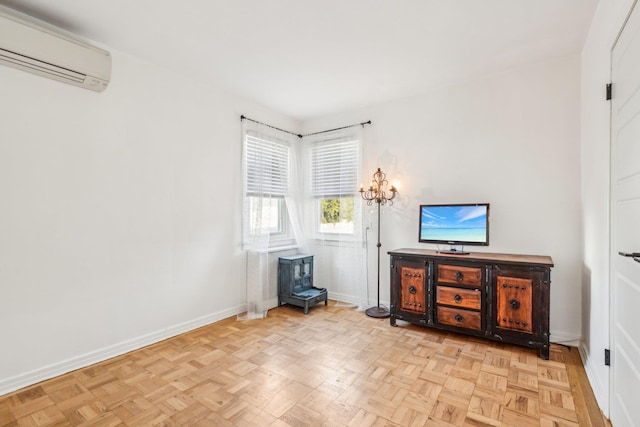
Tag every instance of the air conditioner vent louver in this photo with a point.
(41, 66)
(38, 48)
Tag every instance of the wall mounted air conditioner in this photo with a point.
(29, 45)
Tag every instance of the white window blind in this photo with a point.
(267, 167)
(334, 168)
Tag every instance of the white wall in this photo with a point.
(595, 124)
(120, 215)
(510, 139)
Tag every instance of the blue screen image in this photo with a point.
(452, 223)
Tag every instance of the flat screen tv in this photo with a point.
(459, 224)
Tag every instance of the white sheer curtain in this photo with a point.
(270, 217)
(333, 213)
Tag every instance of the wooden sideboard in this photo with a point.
(503, 297)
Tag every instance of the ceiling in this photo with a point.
(310, 58)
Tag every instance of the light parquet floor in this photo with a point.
(332, 367)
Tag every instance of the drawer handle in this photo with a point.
(459, 276)
(515, 304)
(458, 318)
(412, 289)
(457, 298)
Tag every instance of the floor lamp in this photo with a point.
(376, 194)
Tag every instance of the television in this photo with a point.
(456, 224)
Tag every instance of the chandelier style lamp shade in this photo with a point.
(380, 193)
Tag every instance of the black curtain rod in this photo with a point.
(269, 126)
(309, 134)
(343, 127)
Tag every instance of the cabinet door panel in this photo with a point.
(412, 289)
(514, 303)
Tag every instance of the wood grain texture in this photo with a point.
(458, 317)
(465, 298)
(412, 289)
(332, 367)
(459, 275)
(514, 303)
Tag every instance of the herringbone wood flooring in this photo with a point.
(334, 367)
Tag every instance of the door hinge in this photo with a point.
(608, 91)
(607, 357)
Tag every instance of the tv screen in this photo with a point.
(460, 224)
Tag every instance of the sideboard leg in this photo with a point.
(544, 352)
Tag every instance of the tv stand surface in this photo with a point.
(502, 297)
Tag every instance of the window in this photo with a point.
(266, 185)
(267, 214)
(335, 166)
(336, 215)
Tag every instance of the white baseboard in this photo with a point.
(17, 382)
(600, 388)
(560, 337)
(359, 302)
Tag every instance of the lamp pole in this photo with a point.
(376, 194)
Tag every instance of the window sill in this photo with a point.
(282, 248)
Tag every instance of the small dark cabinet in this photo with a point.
(503, 297)
(295, 282)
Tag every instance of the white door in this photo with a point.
(625, 226)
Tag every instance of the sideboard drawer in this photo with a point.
(465, 298)
(469, 276)
(460, 318)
